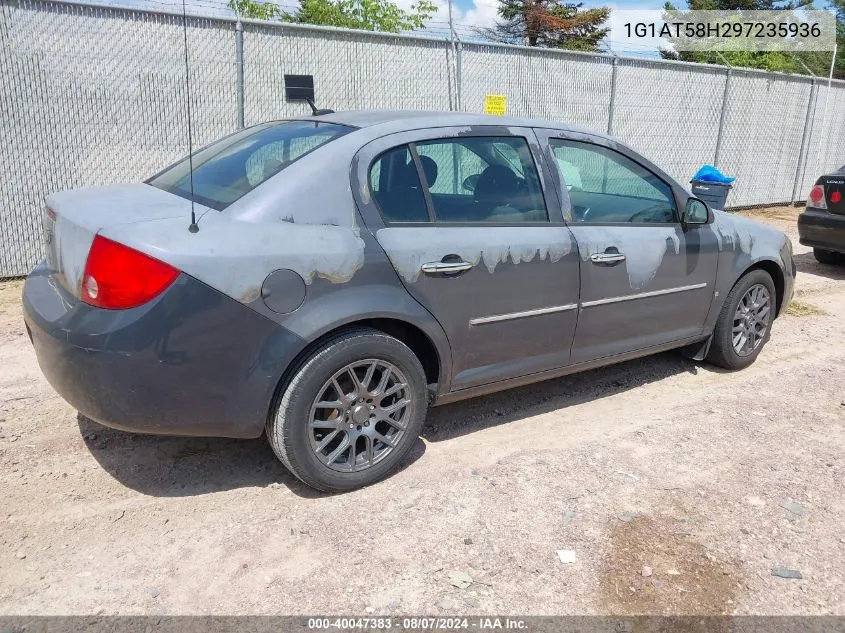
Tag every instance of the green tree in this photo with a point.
(254, 9)
(370, 15)
(550, 23)
(781, 61)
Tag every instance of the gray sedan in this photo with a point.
(347, 271)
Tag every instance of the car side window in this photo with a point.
(396, 187)
(453, 163)
(271, 158)
(606, 186)
(482, 179)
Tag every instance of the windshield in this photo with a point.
(235, 165)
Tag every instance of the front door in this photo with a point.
(464, 219)
(645, 280)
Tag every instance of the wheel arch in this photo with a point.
(435, 364)
(774, 270)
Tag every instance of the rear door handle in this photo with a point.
(445, 268)
(607, 258)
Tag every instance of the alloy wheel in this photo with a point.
(360, 415)
(751, 320)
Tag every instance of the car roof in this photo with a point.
(416, 119)
(328, 204)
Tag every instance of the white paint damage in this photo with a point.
(228, 254)
(315, 189)
(734, 232)
(71, 245)
(235, 257)
(409, 248)
(82, 213)
(644, 247)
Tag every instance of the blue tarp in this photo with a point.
(708, 173)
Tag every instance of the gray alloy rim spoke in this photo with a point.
(368, 377)
(383, 439)
(360, 415)
(331, 457)
(369, 451)
(393, 408)
(325, 424)
(329, 404)
(399, 426)
(327, 440)
(351, 371)
(382, 383)
(394, 389)
(351, 454)
(751, 320)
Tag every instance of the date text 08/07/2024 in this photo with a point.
(422, 623)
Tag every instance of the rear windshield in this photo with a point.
(233, 166)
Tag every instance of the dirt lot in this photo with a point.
(678, 487)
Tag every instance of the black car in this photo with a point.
(822, 225)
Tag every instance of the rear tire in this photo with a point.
(828, 257)
(368, 375)
(733, 323)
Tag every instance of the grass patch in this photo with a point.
(787, 213)
(802, 308)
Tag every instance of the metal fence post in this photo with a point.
(450, 54)
(458, 60)
(612, 106)
(722, 116)
(802, 153)
(239, 65)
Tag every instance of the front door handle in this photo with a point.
(445, 268)
(607, 258)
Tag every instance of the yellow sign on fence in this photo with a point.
(495, 104)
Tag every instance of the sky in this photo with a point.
(468, 16)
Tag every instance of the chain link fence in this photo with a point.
(94, 95)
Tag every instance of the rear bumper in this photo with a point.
(191, 362)
(821, 229)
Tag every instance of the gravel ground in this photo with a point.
(679, 488)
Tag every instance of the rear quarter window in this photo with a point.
(228, 169)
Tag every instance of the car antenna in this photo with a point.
(301, 88)
(194, 227)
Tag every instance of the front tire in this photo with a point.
(828, 257)
(350, 412)
(745, 322)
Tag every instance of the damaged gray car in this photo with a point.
(344, 272)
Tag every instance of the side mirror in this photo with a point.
(695, 213)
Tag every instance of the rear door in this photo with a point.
(477, 239)
(645, 279)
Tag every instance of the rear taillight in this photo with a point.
(816, 198)
(118, 277)
(835, 197)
